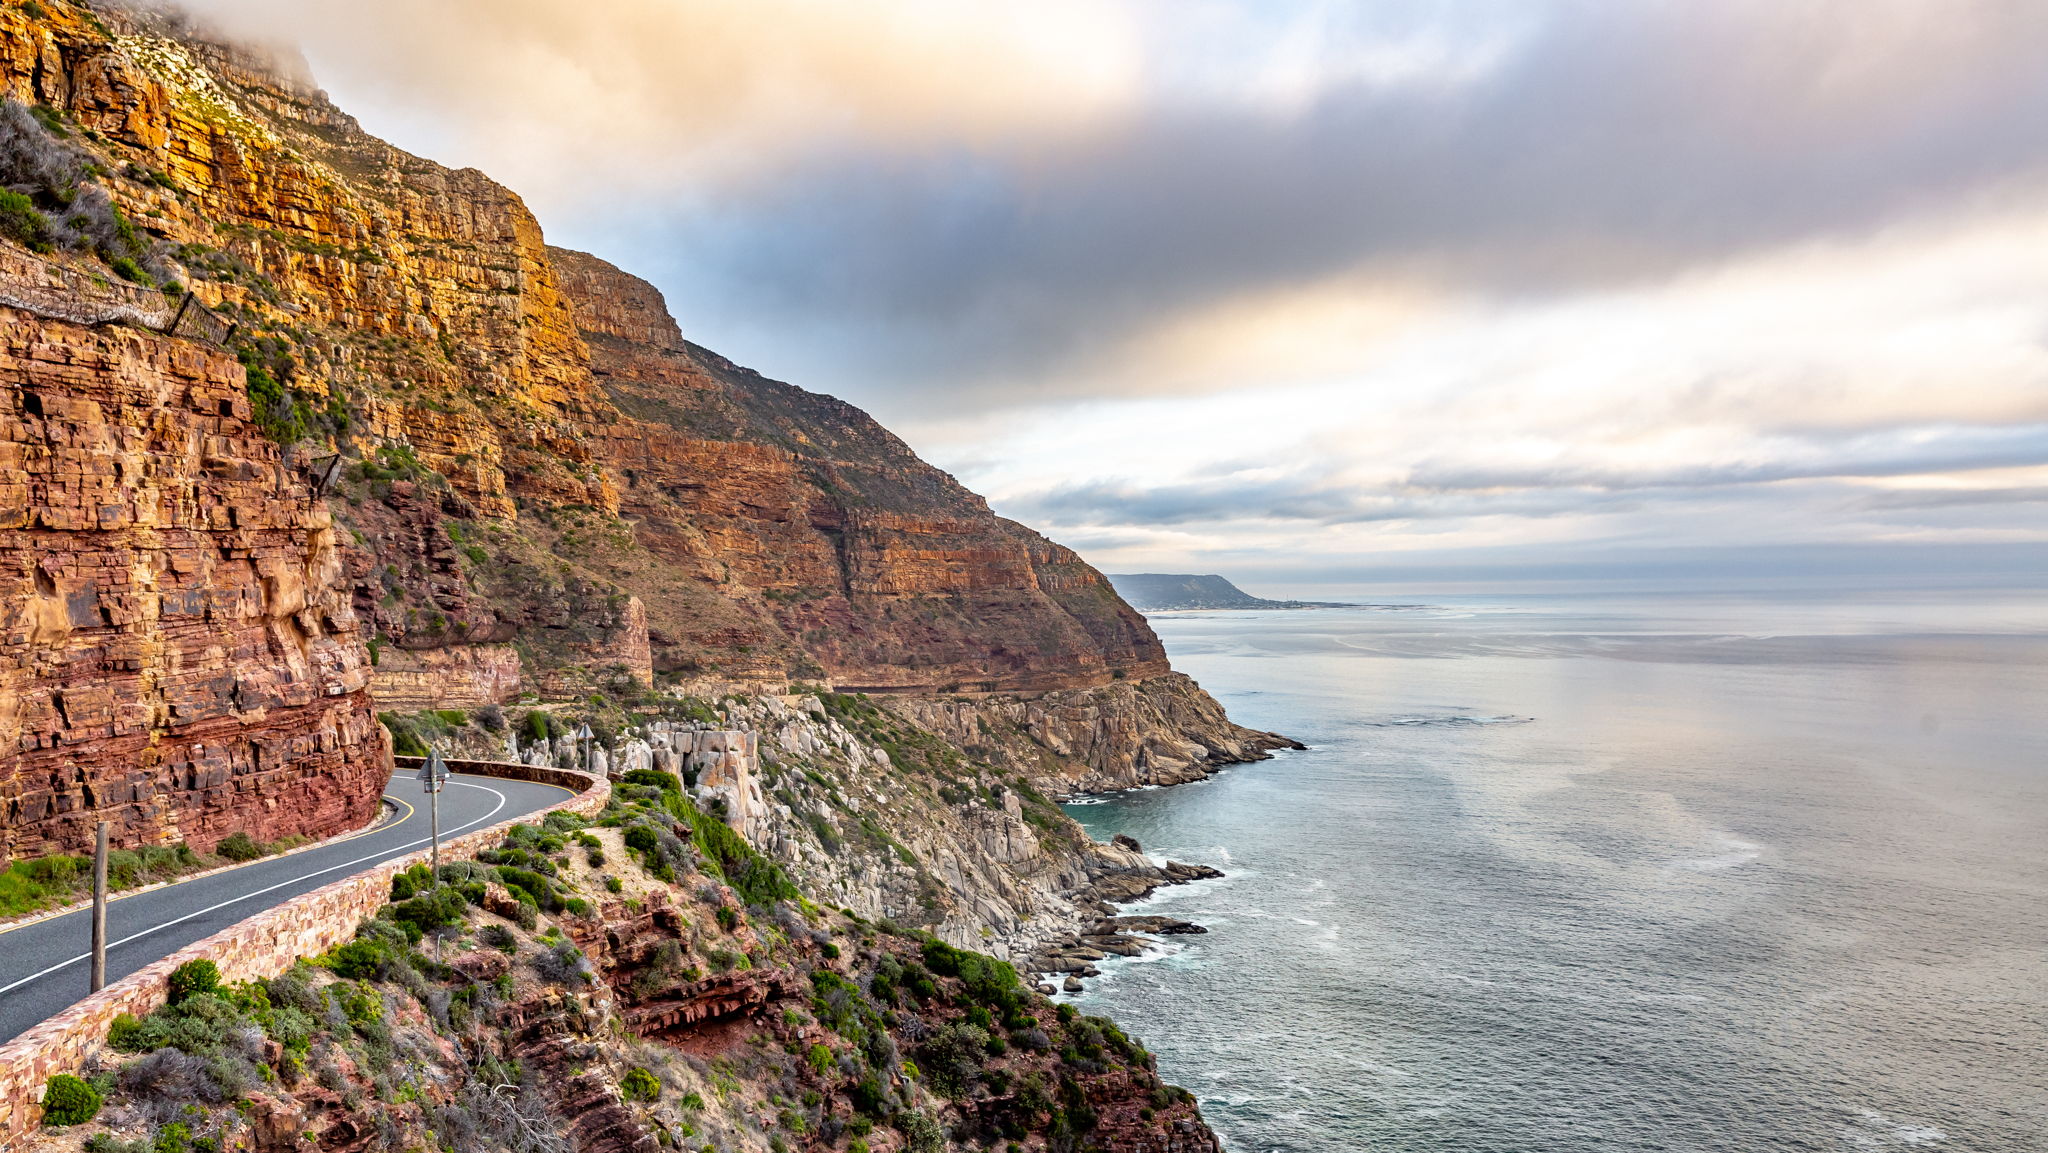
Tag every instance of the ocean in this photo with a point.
(1579, 873)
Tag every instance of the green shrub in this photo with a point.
(443, 908)
(666, 782)
(69, 1101)
(405, 736)
(20, 221)
(239, 846)
(127, 269)
(358, 960)
(640, 1085)
(193, 978)
(26, 886)
(540, 724)
(125, 1034)
(411, 883)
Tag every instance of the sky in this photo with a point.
(1307, 290)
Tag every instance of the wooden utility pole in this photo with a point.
(99, 909)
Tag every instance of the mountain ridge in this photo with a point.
(1167, 592)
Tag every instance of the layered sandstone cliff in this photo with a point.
(177, 652)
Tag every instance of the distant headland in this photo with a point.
(1161, 592)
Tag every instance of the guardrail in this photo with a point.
(84, 295)
(262, 945)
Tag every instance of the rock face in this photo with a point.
(539, 466)
(835, 540)
(455, 677)
(1160, 731)
(177, 651)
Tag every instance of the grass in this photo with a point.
(39, 883)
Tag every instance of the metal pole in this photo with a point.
(99, 909)
(434, 810)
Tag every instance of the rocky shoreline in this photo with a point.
(1072, 956)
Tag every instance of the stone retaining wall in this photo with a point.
(264, 945)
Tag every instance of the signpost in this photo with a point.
(99, 910)
(434, 775)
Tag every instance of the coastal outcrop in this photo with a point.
(1126, 734)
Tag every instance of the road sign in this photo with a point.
(433, 774)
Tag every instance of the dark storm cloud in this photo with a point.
(1612, 141)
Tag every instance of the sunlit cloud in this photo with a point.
(1182, 280)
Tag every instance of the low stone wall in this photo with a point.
(264, 945)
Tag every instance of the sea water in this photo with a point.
(1594, 874)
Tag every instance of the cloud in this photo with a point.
(1313, 279)
(1603, 144)
(573, 103)
(985, 205)
(1323, 495)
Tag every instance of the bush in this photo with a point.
(445, 908)
(193, 978)
(358, 960)
(564, 964)
(172, 1077)
(640, 1085)
(69, 1101)
(539, 725)
(405, 737)
(239, 846)
(20, 221)
(126, 268)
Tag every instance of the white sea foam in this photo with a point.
(1735, 853)
(1876, 1131)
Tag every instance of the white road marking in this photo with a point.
(386, 855)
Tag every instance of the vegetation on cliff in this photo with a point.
(598, 986)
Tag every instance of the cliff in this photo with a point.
(547, 488)
(842, 549)
(177, 651)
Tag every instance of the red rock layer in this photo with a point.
(177, 652)
(882, 569)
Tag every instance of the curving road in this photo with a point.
(43, 964)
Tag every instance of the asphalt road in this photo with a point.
(44, 965)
